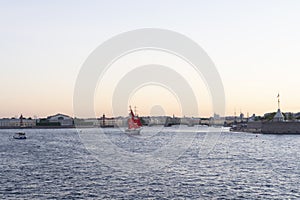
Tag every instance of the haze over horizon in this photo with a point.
(254, 46)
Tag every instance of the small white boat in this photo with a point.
(134, 124)
(19, 136)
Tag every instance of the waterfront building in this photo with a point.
(90, 122)
(121, 121)
(63, 120)
(158, 120)
(16, 122)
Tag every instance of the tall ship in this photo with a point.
(134, 123)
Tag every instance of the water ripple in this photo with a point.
(53, 164)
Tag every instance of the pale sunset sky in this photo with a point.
(255, 46)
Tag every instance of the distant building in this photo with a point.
(190, 121)
(158, 120)
(278, 116)
(121, 121)
(90, 122)
(15, 122)
(216, 116)
(64, 120)
(252, 118)
(297, 116)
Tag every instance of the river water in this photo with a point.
(58, 164)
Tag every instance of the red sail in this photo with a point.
(138, 121)
(133, 121)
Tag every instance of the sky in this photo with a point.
(254, 45)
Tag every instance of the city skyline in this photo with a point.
(254, 47)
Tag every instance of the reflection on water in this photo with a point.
(55, 164)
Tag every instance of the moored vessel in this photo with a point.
(19, 136)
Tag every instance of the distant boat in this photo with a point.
(134, 124)
(19, 136)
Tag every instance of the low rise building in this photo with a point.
(64, 120)
(15, 122)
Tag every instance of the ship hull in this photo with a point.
(135, 131)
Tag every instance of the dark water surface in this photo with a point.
(53, 164)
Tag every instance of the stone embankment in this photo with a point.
(271, 127)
